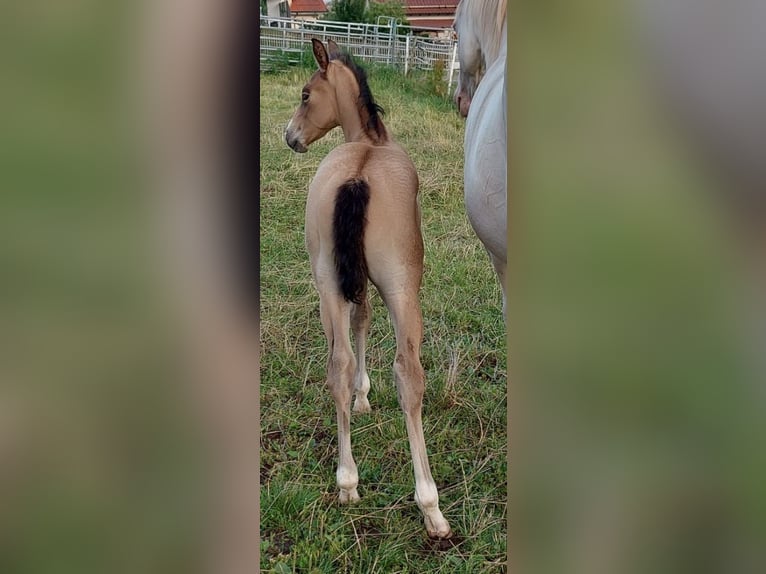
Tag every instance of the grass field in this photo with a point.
(464, 355)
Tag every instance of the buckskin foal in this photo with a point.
(363, 222)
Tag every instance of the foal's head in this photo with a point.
(325, 101)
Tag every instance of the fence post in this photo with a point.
(451, 68)
(392, 43)
(407, 54)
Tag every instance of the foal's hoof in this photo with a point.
(361, 405)
(438, 528)
(440, 535)
(348, 496)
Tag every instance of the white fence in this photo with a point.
(285, 40)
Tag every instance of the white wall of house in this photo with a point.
(273, 7)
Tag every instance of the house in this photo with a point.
(423, 15)
(307, 9)
(298, 9)
(275, 8)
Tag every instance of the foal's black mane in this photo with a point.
(374, 111)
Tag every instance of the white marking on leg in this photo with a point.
(362, 387)
(361, 323)
(426, 494)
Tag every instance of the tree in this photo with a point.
(366, 11)
(392, 8)
(347, 11)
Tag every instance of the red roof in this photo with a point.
(430, 7)
(307, 6)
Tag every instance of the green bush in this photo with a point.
(436, 79)
(392, 8)
(347, 11)
(358, 11)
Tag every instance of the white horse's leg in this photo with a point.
(335, 314)
(360, 324)
(410, 387)
(500, 264)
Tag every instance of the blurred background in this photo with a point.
(104, 451)
(637, 327)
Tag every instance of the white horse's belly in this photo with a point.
(485, 172)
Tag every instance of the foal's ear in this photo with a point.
(320, 54)
(333, 49)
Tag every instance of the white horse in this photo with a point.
(481, 96)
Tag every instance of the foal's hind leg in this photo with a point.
(335, 313)
(360, 324)
(410, 387)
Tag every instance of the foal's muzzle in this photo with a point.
(293, 141)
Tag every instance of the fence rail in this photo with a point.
(286, 40)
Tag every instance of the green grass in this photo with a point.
(303, 528)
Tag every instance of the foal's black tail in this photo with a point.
(348, 224)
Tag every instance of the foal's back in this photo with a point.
(392, 238)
